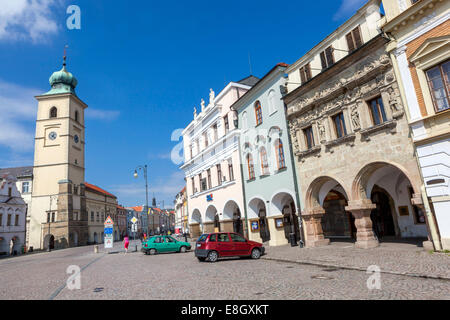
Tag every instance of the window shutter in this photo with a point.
(323, 60)
(357, 37)
(302, 75)
(350, 44)
(308, 71)
(329, 55)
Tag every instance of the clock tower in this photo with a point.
(58, 217)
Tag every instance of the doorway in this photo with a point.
(264, 231)
(382, 218)
(216, 223)
(290, 221)
(237, 222)
(336, 222)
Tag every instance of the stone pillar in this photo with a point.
(313, 227)
(208, 227)
(226, 226)
(361, 209)
(195, 230)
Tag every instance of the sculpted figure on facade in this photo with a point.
(321, 127)
(396, 107)
(203, 105)
(212, 97)
(195, 112)
(355, 117)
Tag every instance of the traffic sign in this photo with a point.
(109, 242)
(108, 230)
(134, 220)
(109, 221)
(134, 227)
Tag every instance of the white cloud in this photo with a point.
(27, 19)
(106, 115)
(347, 8)
(18, 110)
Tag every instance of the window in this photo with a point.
(327, 57)
(339, 125)
(157, 240)
(197, 144)
(92, 216)
(76, 116)
(309, 137)
(258, 113)
(439, 83)
(251, 167)
(305, 73)
(53, 112)
(227, 124)
(237, 238)
(190, 151)
(203, 184)
(205, 138)
(48, 217)
(264, 162)
(354, 40)
(230, 170)
(75, 189)
(219, 173)
(216, 133)
(1, 219)
(280, 154)
(209, 178)
(377, 111)
(98, 217)
(9, 192)
(26, 187)
(193, 186)
(213, 238)
(8, 222)
(223, 237)
(53, 217)
(16, 223)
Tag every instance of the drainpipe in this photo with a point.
(297, 193)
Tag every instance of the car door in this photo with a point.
(158, 245)
(171, 243)
(224, 245)
(240, 245)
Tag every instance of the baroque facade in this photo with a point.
(270, 193)
(420, 50)
(355, 160)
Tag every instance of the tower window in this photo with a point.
(76, 116)
(53, 112)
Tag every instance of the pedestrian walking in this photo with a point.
(126, 243)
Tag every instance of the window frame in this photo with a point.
(281, 158)
(445, 82)
(353, 40)
(53, 113)
(250, 167)
(264, 161)
(258, 113)
(381, 111)
(308, 133)
(338, 126)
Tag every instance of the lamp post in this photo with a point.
(144, 168)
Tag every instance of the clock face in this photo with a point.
(52, 135)
(76, 139)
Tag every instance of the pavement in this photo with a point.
(112, 274)
(400, 258)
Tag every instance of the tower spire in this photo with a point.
(65, 55)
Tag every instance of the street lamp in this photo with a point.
(144, 168)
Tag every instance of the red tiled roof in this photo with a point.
(98, 189)
(120, 207)
(282, 64)
(137, 208)
(184, 189)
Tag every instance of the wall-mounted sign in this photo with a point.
(279, 223)
(209, 197)
(255, 225)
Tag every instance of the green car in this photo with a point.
(158, 244)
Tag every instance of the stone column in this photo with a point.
(361, 209)
(313, 226)
(195, 230)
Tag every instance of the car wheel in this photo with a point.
(256, 253)
(146, 252)
(152, 252)
(213, 256)
(183, 249)
(201, 259)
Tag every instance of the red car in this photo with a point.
(213, 246)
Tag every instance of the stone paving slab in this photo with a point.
(395, 258)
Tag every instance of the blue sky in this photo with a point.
(142, 66)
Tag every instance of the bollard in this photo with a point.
(96, 249)
(135, 248)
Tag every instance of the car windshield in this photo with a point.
(202, 238)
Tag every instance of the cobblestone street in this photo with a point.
(181, 276)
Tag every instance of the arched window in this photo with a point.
(76, 116)
(251, 167)
(264, 162)
(271, 101)
(53, 112)
(280, 154)
(258, 113)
